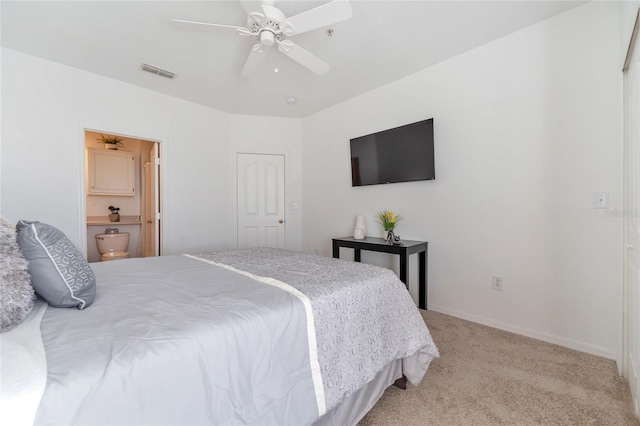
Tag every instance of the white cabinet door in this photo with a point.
(111, 173)
(261, 201)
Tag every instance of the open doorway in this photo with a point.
(122, 195)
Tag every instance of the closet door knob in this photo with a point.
(281, 221)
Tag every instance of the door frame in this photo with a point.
(82, 177)
(154, 199)
(624, 367)
(235, 191)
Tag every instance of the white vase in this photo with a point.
(360, 229)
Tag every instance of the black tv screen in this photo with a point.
(402, 154)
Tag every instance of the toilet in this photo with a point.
(112, 245)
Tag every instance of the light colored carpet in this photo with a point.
(486, 376)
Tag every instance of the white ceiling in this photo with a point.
(382, 42)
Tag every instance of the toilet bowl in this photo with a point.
(113, 246)
(114, 255)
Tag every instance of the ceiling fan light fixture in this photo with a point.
(267, 38)
(158, 71)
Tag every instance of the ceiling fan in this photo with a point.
(271, 26)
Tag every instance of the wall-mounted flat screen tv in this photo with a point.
(402, 154)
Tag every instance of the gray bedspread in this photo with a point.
(365, 317)
(177, 340)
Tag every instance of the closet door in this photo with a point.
(261, 201)
(111, 173)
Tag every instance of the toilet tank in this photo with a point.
(112, 242)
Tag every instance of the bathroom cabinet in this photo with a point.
(111, 173)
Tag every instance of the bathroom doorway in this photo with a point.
(123, 176)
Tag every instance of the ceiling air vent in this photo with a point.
(158, 71)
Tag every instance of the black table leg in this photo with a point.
(336, 250)
(422, 280)
(404, 268)
(356, 255)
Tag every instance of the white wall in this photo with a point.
(45, 108)
(526, 129)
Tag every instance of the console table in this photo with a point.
(380, 245)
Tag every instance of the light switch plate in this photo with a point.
(600, 200)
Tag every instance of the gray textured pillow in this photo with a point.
(16, 293)
(59, 272)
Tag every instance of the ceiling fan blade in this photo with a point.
(255, 60)
(327, 14)
(303, 57)
(205, 26)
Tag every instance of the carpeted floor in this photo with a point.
(486, 376)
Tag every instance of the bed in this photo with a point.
(257, 336)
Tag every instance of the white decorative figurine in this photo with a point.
(360, 230)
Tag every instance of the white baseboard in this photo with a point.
(549, 338)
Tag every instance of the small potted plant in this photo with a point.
(110, 141)
(115, 214)
(388, 219)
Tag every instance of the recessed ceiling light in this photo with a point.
(276, 69)
(291, 100)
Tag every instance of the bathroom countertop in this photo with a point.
(104, 220)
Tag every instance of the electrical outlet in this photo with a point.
(496, 283)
